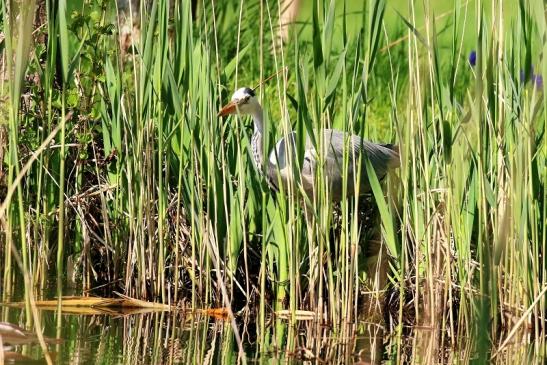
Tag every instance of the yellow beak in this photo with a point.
(229, 108)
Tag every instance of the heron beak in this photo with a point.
(229, 108)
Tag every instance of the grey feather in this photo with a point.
(336, 143)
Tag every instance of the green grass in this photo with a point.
(144, 190)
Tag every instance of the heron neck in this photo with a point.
(256, 140)
(258, 119)
(268, 170)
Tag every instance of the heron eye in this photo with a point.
(246, 100)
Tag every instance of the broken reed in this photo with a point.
(148, 191)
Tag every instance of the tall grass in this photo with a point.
(146, 191)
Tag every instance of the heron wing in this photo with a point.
(285, 146)
(338, 145)
(280, 162)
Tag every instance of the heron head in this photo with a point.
(243, 102)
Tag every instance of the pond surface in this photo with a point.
(183, 338)
(179, 338)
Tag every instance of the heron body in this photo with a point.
(336, 146)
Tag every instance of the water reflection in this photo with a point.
(369, 344)
(177, 338)
(181, 338)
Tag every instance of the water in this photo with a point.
(144, 338)
(179, 338)
(136, 337)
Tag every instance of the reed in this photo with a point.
(144, 190)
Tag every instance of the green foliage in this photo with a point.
(147, 191)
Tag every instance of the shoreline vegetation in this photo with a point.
(117, 176)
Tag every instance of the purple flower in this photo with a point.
(538, 81)
(473, 58)
(523, 78)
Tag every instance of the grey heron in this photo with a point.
(382, 157)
